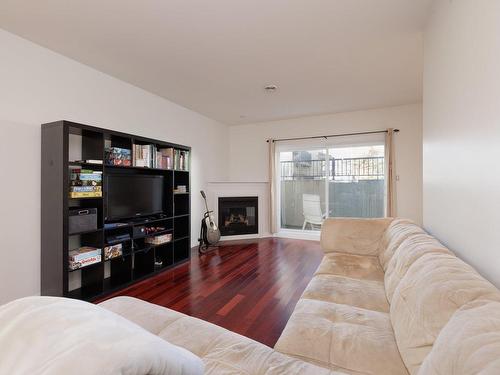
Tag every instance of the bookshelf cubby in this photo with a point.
(68, 145)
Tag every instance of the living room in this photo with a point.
(346, 152)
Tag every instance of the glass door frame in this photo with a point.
(310, 145)
(297, 146)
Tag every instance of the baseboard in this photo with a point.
(299, 234)
(245, 237)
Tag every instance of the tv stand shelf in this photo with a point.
(67, 145)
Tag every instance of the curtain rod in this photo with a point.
(332, 135)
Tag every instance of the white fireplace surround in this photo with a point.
(220, 189)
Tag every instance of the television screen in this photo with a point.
(133, 195)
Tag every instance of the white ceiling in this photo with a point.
(215, 56)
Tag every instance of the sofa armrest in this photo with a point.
(354, 236)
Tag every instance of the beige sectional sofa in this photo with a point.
(384, 294)
(386, 299)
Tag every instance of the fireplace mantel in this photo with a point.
(260, 189)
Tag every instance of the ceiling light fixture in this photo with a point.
(270, 88)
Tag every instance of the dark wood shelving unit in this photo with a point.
(139, 260)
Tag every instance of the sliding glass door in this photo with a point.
(343, 179)
(302, 187)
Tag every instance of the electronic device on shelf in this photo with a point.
(139, 231)
(114, 225)
(151, 230)
(145, 219)
(118, 238)
(142, 230)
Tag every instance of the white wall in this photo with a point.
(39, 86)
(249, 155)
(462, 130)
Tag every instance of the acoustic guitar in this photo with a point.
(210, 234)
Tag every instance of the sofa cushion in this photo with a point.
(434, 287)
(222, 351)
(351, 265)
(50, 335)
(367, 294)
(152, 318)
(396, 233)
(354, 236)
(469, 343)
(410, 250)
(342, 337)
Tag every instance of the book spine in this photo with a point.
(85, 183)
(83, 171)
(82, 256)
(82, 189)
(95, 194)
(86, 176)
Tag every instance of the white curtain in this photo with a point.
(272, 186)
(390, 178)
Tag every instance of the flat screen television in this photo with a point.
(129, 196)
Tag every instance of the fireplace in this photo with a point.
(238, 215)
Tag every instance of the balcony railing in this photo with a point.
(348, 169)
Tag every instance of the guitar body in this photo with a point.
(210, 234)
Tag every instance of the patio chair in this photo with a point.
(311, 209)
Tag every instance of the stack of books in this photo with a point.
(83, 256)
(180, 189)
(85, 183)
(181, 160)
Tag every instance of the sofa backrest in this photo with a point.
(397, 231)
(434, 287)
(409, 251)
(469, 343)
(354, 236)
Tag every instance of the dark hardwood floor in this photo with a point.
(249, 287)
